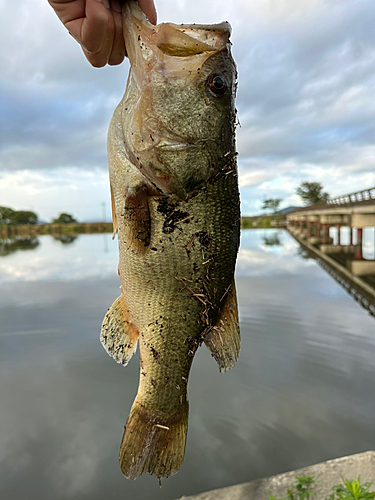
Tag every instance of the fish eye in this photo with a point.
(218, 84)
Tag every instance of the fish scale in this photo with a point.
(152, 284)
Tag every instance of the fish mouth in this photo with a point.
(168, 48)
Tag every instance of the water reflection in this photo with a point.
(300, 393)
(65, 239)
(12, 245)
(62, 258)
(303, 253)
(273, 240)
(347, 258)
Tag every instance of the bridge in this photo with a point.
(354, 210)
(311, 225)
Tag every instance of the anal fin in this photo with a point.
(223, 339)
(118, 335)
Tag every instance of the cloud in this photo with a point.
(50, 192)
(305, 97)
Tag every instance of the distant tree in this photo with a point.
(6, 215)
(24, 217)
(311, 192)
(10, 216)
(271, 204)
(64, 219)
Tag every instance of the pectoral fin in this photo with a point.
(137, 219)
(118, 335)
(223, 339)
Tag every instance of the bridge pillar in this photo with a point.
(358, 252)
(338, 234)
(325, 233)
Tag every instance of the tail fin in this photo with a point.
(153, 443)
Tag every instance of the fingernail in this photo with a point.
(115, 4)
(105, 3)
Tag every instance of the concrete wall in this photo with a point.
(327, 475)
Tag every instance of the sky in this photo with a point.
(306, 102)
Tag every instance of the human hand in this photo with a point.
(97, 27)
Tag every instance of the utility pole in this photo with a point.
(104, 214)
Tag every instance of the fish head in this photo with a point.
(179, 119)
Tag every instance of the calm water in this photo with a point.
(302, 391)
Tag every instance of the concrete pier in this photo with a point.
(327, 474)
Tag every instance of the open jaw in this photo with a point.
(168, 47)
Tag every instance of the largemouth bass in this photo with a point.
(175, 204)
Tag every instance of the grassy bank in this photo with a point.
(265, 222)
(30, 230)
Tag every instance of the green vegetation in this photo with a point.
(261, 222)
(64, 219)
(271, 204)
(9, 216)
(351, 489)
(12, 245)
(311, 192)
(302, 489)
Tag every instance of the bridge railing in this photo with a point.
(365, 195)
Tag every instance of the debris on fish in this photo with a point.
(176, 208)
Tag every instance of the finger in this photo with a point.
(148, 7)
(68, 10)
(90, 31)
(100, 58)
(118, 48)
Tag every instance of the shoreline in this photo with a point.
(32, 230)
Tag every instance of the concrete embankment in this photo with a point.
(326, 474)
(31, 230)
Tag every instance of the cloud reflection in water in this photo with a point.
(298, 395)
